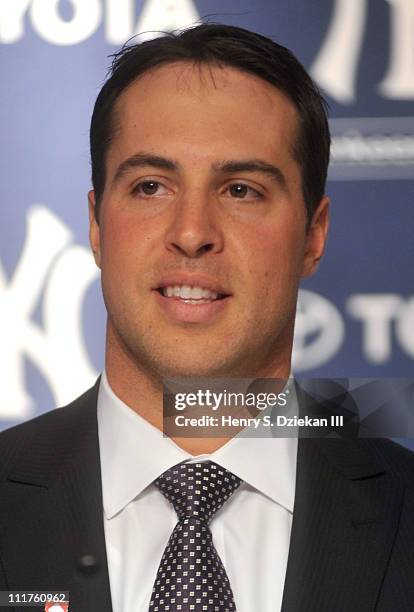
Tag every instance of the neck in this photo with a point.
(142, 390)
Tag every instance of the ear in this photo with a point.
(316, 238)
(94, 231)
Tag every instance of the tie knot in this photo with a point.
(197, 490)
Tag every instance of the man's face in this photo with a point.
(202, 236)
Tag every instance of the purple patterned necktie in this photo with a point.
(191, 576)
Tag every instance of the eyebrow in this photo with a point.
(252, 165)
(139, 160)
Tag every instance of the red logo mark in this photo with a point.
(53, 606)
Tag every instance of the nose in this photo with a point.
(194, 229)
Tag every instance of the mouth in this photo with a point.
(192, 300)
(191, 295)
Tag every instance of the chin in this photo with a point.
(191, 369)
(179, 358)
(185, 366)
(205, 367)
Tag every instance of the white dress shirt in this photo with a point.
(251, 532)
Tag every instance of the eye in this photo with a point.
(149, 188)
(244, 192)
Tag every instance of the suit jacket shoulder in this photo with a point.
(48, 433)
(51, 517)
(352, 539)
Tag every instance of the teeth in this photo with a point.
(196, 293)
(186, 292)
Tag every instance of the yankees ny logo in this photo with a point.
(56, 274)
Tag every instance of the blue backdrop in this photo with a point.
(355, 317)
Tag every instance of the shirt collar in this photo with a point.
(134, 453)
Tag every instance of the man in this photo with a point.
(209, 156)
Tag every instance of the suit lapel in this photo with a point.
(51, 520)
(345, 520)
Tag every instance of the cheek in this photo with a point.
(272, 255)
(125, 241)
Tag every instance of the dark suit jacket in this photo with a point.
(352, 541)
